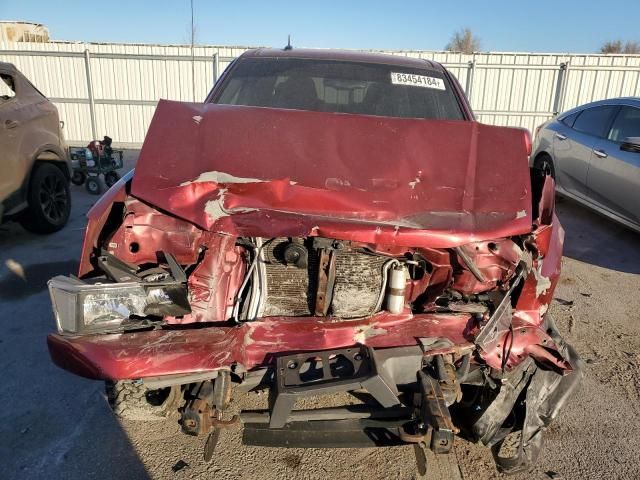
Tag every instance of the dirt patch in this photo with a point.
(292, 461)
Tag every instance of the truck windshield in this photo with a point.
(342, 87)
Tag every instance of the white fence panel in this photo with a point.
(126, 81)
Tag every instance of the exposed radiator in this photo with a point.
(291, 291)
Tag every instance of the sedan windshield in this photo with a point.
(341, 87)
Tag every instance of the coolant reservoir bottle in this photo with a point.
(396, 288)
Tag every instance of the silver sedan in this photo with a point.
(593, 152)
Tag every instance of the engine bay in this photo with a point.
(247, 278)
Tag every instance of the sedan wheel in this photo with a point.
(545, 164)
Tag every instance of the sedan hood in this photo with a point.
(271, 172)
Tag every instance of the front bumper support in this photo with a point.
(326, 372)
(364, 425)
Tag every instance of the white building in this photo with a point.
(11, 31)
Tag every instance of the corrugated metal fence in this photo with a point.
(112, 89)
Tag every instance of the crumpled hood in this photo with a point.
(272, 172)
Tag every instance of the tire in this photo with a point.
(132, 401)
(94, 185)
(110, 178)
(78, 178)
(544, 163)
(49, 200)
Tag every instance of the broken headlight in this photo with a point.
(81, 307)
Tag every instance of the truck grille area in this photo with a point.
(291, 289)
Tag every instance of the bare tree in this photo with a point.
(632, 47)
(463, 41)
(616, 46)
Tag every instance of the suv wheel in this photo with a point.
(133, 401)
(49, 200)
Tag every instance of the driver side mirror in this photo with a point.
(631, 144)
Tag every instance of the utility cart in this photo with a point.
(96, 160)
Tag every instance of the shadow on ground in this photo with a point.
(16, 284)
(53, 424)
(71, 435)
(594, 239)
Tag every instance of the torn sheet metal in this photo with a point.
(545, 392)
(275, 172)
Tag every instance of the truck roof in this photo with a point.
(344, 55)
(7, 66)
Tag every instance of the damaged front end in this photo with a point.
(435, 318)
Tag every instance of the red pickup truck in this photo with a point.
(326, 222)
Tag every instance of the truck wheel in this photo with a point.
(110, 178)
(49, 200)
(78, 178)
(94, 185)
(133, 401)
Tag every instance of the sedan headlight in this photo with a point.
(81, 307)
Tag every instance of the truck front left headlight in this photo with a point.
(81, 307)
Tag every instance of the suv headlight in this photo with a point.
(81, 307)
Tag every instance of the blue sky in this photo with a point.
(541, 26)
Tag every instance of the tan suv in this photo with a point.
(34, 167)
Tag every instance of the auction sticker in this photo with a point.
(417, 80)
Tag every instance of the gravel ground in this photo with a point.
(56, 425)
